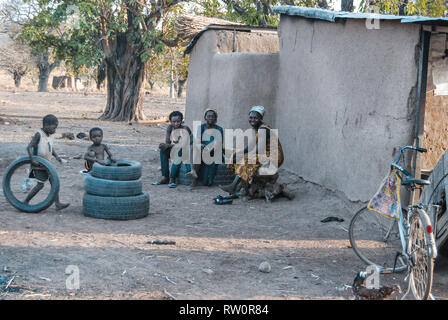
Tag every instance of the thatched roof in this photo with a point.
(187, 26)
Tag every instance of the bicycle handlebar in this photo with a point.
(408, 147)
(397, 166)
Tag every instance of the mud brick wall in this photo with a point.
(436, 129)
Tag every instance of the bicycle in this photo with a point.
(403, 243)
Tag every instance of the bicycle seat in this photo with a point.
(416, 181)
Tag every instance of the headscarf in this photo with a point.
(210, 109)
(259, 109)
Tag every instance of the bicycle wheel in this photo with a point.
(376, 240)
(421, 263)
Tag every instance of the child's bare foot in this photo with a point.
(194, 184)
(192, 174)
(60, 206)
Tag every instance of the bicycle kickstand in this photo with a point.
(397, 255)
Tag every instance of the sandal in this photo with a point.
(159, 182)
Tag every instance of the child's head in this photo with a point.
(176, 118)
(96, 135)
(210, 117)
(50, 123)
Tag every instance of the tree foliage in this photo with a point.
(430, 8)
(124, 34)
(252, 12)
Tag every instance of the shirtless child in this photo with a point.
(95, 153)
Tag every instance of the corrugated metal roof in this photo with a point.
(332, 16)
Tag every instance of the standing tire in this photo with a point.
(112, 188)
(116, 208)
(121, 170)
(52, 177)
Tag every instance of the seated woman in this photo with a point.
(177, 134)
(258, 171)
(205, 141)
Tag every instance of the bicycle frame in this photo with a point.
(403, 228)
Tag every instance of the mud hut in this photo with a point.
(345, 90)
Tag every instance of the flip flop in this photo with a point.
(172, 185)
(221, 200)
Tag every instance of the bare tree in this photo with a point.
(45, 66)
(14, 14)
(16, 60)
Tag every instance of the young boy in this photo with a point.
(42, 145)
(95, 153)
(210, 117)
(173, 136)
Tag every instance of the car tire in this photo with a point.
(121, 170)
(112, 188)
(116, 208)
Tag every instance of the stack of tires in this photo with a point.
(115, 192)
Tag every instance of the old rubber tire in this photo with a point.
(112, 188)
(222, 176)
(122, 170)
(52, 177)
(116, 208)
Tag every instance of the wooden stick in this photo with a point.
(9, 282)
(168, 294)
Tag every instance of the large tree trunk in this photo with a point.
(402, 7)
(125, 78)
(43, 80)
(45, 68)
(347, 5)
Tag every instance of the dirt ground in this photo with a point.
(218, 248)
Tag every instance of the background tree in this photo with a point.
(17, 14)
(347, 5)
(252, 12)
(122, 33)
(431, 8)
(16, 60)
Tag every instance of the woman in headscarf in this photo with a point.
(257, 160)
